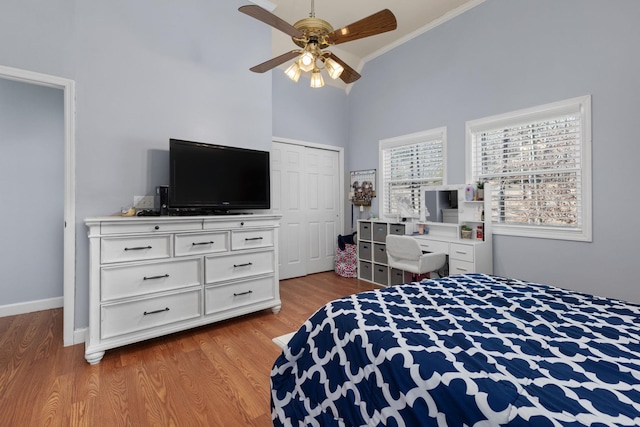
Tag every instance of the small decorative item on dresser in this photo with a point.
(465, 232)
(480, 190)
(469, 193)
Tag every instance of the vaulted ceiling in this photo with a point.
(414, 18)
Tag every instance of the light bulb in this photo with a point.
(333, 68)
(316, 79)
(307, 61)
(293, 72)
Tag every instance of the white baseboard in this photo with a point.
(30, 306)
(80, 335)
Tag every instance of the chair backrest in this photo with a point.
(403, 247)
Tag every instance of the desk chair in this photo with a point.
(404, 253)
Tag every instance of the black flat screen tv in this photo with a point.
(216, 178)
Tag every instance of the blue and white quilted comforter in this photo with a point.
(470, 350)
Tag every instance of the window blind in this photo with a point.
(535, 169)
(407, 167)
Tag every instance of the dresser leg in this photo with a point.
(276, 309)
(94, 358)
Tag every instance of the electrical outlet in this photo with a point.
(143, 202)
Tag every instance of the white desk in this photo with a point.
(464, 255)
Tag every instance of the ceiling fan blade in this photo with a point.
(270, 19)
(349, 75)
(378, 23)
(274, 62)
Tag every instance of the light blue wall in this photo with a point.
(145, 71)
(506, 55)
(32, 177)
(311, 115)
(143, 77)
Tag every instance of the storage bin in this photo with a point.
(380, 253)
(346, 261)
(379, 231)
(397, 277)
(364, 231)
(364, 248)
(397, 229)
(381, 274)
(366, 272)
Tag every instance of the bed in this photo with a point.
(466, 350)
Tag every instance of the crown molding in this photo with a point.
(265, 4)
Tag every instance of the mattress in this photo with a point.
(466, 350)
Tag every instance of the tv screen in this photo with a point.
(217, 177)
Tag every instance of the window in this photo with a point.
(538, 162)
(407, 163)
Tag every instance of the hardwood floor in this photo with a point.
(216, 375)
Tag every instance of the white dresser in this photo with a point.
(151, 276)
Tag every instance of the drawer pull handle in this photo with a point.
(139, 248)
(242, 293)
(162, 310)
(461, 252)
(242, 265)
(461, 269)
(202, 243)
(253, 238)
(155, 277)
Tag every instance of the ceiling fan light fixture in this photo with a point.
(307, 61)
(333, 68)
(313, 35)
(316, 79)
(294, 72)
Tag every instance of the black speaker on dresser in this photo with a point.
(162, 199)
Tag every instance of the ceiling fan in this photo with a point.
(313, 35)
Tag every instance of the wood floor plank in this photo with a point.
(215, 375)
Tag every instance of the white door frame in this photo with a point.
(341, 178)
(69, 274)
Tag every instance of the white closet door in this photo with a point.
(287, 198)
(306, 191)
(323, 216)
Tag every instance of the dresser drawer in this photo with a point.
(121, 249)
(462, 252)
(138, 315)
(201, 243)
(133, 280)
(433, 246)
(216, 224)
(227, 297)
(237, 266)
(461, 267)
(148, 226)
(248, 239)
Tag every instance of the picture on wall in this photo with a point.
(362, 187)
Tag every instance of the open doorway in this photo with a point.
(68, 224)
